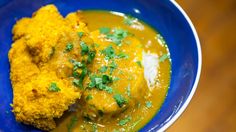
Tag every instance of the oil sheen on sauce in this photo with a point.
(157, 73)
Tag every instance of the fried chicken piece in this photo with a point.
(40, 68)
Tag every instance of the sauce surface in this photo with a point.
(149, 102)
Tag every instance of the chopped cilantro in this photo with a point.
(96, 45)
(69, 47)
(124, 121)
(91, 56)
(116, 78)
(95, 127)
(53, 87)
(89, 97)
(120, 100)
(75, 74)
(103, 69)
(163, 57)
(100, 82)
(112, 66)
(117, 36)
(128, 91)
(148, 104)
(79, 83)
(77, 64)
(72, 123)
(106, 79)
(139, 63)
(129, 20)
(81, 34)
(122, 55)
(104, 30)
(84, 48)
(109, 52)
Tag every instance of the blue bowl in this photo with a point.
(166, 16)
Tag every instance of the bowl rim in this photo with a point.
(184, 106)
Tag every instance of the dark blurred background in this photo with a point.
(213, 107)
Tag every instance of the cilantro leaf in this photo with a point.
(81, 34)
(69, 47)
(129, 20)
(139, 63)
(113, 66)
(91, 56)
(89, 97)
(109, 52)
(53, 87)
(148, 104)
(84, 48)
(163, 57)
(117, 36)
(124, 121)
(104, 30)
(103, 69)
(72, 123)
(122, 55)
(120, 100)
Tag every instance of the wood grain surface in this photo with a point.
(213, 107)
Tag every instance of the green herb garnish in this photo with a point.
(120, 100)
(69, 47)
(109, 52)
(163, 57)
(124, 121)
(100, 82)
(104, 30)
(72, 123)
(84, 48)
(91, 56)
(122, 55)
(129, 20)
(89, 97)
(95, 127)
(81, 34)
(128, 90)
(148, 104)
(112, 66)
(103, 69)
(117, 36)
(139, 63)
(53, 87)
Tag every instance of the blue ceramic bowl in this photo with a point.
(166, 16)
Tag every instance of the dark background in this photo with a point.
(213, 107)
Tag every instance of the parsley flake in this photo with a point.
(69, 47)
(139, 63)
(148, 104)
(120, 100)
(122, 55)
(81, 34)
(163, 57)
(103, 69)
(89, 97)
(72, 123)
(104, 30)
(125, 121)
(129, 20)
(84, 48)
(53, 87)
(109, 52)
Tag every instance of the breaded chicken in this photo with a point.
(40, 70)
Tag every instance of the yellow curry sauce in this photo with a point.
(139, 114)
(89, 71)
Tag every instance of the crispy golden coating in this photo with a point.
(36, 61)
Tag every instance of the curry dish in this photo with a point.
(88, 71)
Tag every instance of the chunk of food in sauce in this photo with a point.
(95, 70)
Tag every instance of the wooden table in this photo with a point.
(213, 107)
